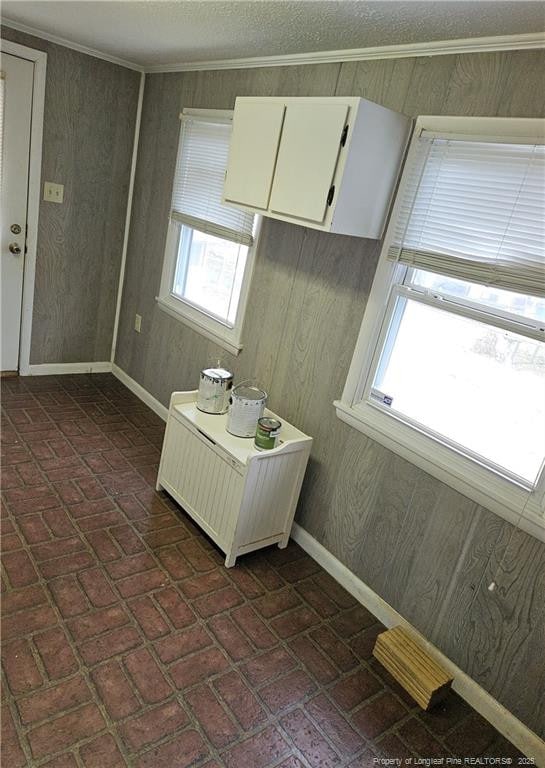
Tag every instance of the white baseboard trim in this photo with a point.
(52, 369)
(139, 391)
(506, 723)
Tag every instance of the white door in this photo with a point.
(16, 98)
(307, 158)
(252, 151)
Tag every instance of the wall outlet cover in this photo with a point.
(53, 193)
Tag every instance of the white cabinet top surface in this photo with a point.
(214, 427)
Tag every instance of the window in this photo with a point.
(210, 246)
(449, 369)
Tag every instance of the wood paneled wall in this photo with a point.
(427, 550)
(90, 112)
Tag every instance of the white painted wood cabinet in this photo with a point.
(244, 499)
(326, 163)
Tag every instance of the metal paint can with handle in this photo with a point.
(247, 406)
(266, 434)
(214, 390)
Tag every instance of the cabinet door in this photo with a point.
(252, 152)
(204, 483)
(307, 159)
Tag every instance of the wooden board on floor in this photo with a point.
(425, 680)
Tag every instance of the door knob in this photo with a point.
(14, 248)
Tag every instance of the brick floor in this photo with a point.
(126, 641)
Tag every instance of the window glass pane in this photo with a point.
(480, 387)
(531, 307)
(209, 272)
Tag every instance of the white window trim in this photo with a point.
(501, 495)
(227, 337)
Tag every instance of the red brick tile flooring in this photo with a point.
(127, 643)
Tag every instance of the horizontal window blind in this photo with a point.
(475, 211)
(198, 182)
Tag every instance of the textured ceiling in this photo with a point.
(151, 32)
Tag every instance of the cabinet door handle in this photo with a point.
(330, 194)
(205, 435)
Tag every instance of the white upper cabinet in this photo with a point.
(326, 163)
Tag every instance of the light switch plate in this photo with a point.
(53, 193)
(138, 323)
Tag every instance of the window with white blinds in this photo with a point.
(475, 210)
(198, 181)
(449, 367)
(210, 247)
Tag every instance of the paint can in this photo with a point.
(247, 406)
(266, 435)
(214, 390)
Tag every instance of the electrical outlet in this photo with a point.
(53, 193)
(138, 323)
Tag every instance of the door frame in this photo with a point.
(39, 59)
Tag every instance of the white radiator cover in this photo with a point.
(242, 498)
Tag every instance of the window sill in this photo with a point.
(201, 323)
(503, 497)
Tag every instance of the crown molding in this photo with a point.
(529, 41)
(437, 48)
(69, 44)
